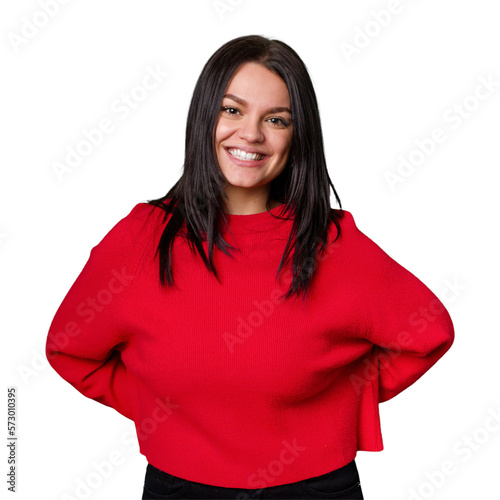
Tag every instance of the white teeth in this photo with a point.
(237, 153)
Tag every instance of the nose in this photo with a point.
(250, 130)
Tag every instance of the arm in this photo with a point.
(407, 323)
(84, 340)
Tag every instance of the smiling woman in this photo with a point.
(236, 390)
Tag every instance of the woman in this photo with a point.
(186, 317)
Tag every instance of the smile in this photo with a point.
(242, 155)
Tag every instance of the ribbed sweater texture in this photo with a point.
(227, 384)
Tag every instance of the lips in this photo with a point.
(246, 153)
(246, 161)
(246, 149)
(242, 155)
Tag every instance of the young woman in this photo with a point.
(247, 328)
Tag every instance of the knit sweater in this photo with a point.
(228, 385)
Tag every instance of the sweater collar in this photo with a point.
(261, 222)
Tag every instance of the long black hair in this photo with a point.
(303, 186)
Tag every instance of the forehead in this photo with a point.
(258, 85)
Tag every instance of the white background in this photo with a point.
(441, 222)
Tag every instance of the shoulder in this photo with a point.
(132, 231)
(367, 260)
(143, 217)
(144, 212)
(355, 246)
(346, 223)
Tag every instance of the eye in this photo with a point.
(230, 110)
(280, 121)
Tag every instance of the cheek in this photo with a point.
(222, 132)
(286, 146)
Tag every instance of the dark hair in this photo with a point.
(198, 196)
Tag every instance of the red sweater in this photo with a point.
(226, 385)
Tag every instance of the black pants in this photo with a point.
(342, 484)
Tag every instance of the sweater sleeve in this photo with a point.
(407, 323)
(84, 341)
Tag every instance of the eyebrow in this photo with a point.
(244, 103)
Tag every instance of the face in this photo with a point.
(254, 131)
